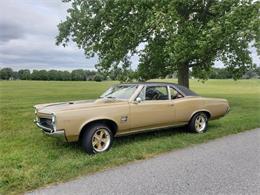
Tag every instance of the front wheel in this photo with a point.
(96, 139)
(199, 123)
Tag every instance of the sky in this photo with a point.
(27, 37)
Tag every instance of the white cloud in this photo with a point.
(27, 37)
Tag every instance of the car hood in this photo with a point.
(73, 105)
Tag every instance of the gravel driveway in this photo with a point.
(229, 165)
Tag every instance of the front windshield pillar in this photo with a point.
(136, 93)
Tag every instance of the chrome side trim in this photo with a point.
(149, 129)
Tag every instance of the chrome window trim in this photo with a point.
(145, 86)
(176, 89)
(169, 93)
(139, 90)
(130, 98)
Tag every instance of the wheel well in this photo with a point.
(206, 112)
(111, 124)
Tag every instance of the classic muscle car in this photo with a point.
(125, 109)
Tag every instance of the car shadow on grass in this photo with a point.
(158, 133)
(133, 138)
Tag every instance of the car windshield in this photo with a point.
(120, 92)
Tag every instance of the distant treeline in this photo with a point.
(50, 75)
(88, 75)
(224, 73)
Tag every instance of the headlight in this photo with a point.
(53, 120)
(36, 118)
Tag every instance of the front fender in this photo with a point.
(95, 119)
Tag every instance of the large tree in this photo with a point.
(168, 35)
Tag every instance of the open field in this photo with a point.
(29, 160)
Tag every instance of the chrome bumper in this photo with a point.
(228, 109)
(50, 132)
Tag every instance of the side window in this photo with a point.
(175, 94)
(156, 93)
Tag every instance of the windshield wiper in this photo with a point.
(110, 97)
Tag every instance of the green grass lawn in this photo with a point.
(29, 160)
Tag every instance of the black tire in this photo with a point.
(195, 127)
(87, 138)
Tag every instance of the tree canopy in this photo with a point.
(167, 35)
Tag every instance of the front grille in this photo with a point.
(46, 122)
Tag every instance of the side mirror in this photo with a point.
(138, 100)
(178, 96)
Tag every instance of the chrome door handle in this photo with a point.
(171, 104)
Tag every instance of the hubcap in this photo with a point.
(101, 140)
(200, 123)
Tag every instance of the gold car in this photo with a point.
(125, 109)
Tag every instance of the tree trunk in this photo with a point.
(183, 75)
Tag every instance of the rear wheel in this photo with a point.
(96, 139)
(199, 123)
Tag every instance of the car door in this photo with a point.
(154, 110)
(180, 105)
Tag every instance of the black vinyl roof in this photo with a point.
(185, 91)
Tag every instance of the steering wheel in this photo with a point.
(156, 96)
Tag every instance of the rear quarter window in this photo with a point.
(186, 91)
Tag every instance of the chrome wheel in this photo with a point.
(101, 140)
(200, 123)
